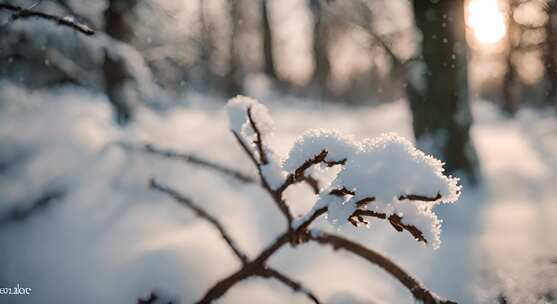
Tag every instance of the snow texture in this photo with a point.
(312, 142)
(387, 169)
(239, 122)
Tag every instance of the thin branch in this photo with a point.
(245, 148)
(423, 198)
(248, 270)
(342, 192)
(276, 195)
(259, 140)
(294, 285)
(22, 13)
(396, 222)
(299, 235)
(313, 183)
(193, 159)
(43, 201)
(299, 174)
(196, 160)
(202, 214)
(419, 292)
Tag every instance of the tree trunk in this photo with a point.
(440, 106)
(116, 74)
(322, 68)
(205, 44)
(510, 86)
(550, 56)
(269, 65)
(235, 76)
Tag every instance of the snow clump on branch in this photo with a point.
(385, 177)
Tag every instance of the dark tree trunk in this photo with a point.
(322, 63)
(206, 45)
(440, 106)
(116, 75)
(268, 58)
(510, 87)
(235, 75)
(550, 55)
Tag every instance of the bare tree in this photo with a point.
(440, 104)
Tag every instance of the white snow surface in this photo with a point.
(111, 239)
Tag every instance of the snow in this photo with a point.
(387, 168)
(384, 168)
(237, 109)
(111, 239)
(312, 142)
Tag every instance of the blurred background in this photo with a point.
(472, 82)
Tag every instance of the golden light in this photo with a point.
(486, 19)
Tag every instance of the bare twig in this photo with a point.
(294, 285)
(193, 159)
(299, 174)
(419, 292)
(41, 202)
(313, 183)
(396, 222)
(258, 141)
(22, 13)
(255, 266)
(423, 198)
(275, 194)
(196, 160)
(202, 214)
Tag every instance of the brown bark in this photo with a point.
(440, 107)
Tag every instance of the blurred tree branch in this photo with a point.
(44, 200)
(23, 13)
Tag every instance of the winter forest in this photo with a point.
(278, 151)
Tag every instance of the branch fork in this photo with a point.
(298, 231)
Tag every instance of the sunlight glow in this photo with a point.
(486, 20)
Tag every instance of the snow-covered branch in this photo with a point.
(251, 124)
(385, 178)
(419, 292)
(22, 13)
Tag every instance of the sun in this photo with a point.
(486, 19)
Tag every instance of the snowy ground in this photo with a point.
(111, 239)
